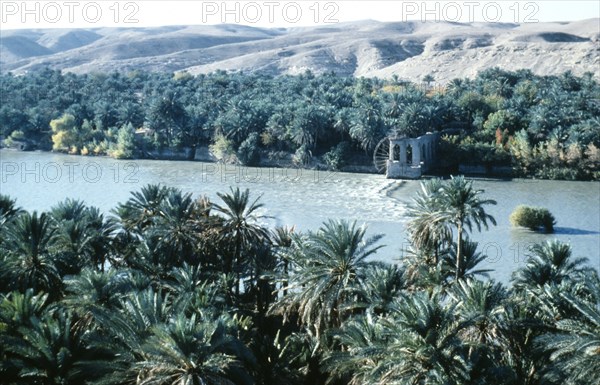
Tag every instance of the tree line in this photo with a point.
(542, 126)
(171, 289)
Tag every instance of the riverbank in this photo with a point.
(285, 160)
(203, 154)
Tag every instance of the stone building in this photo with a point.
(409, 158)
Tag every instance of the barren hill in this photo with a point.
(366, 48)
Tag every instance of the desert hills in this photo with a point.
(408, 50)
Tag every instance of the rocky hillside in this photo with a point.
(367, 48)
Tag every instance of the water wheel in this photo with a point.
(381, 155)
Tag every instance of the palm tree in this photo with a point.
(8, 209)
(163, 228)
(519, 328)
(381, 285)
(177, 227)
(84, 236)
(8, 212)
(471, 258)
(329, 268)
(126, 328)
(139, 211)
(18, 309)
(550, 262)
(417, 343)
(550, 273)
(425, 347)
(92, 290)
(428, 229)
(261, 286)
(367, 127)
(424, 276)
(73, 251)
(69, 210)
(439, 207)
(167, 115)
(282, 241)
(185, 278)
(101, 231)
(192, 351)
(137, 314)
(575, 346)
(240, 228)
(480, 306)
(365, 345)
(463, 208)
(194, 291)
(48, 351)
(29, 261)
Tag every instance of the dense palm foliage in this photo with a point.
(441, 207)
(543, 126)
(240, 231)
(174, 290)
(329, 266)
(29, 261)
(575, 347)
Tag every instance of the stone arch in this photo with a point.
(410, 157)
(396, 153)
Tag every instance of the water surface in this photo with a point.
(306, 198)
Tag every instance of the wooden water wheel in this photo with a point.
(381, 155)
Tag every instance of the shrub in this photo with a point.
(482, 153)
(14, 136)
(302, 156)
(533, 218)
(336, 157)
(223, 150)
(64, 135)
(248, 153)
(125, 148)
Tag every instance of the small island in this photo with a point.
(533, 218)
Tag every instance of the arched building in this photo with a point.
(409, 158)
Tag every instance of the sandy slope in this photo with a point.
(367, 48)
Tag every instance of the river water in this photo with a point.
(306, 198)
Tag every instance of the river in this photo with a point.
(306, 198)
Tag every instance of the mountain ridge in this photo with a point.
(363, 48)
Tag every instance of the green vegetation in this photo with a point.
(538, 126)
(125, 148)
(533, 218)
(169, 288)
(336, 158)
